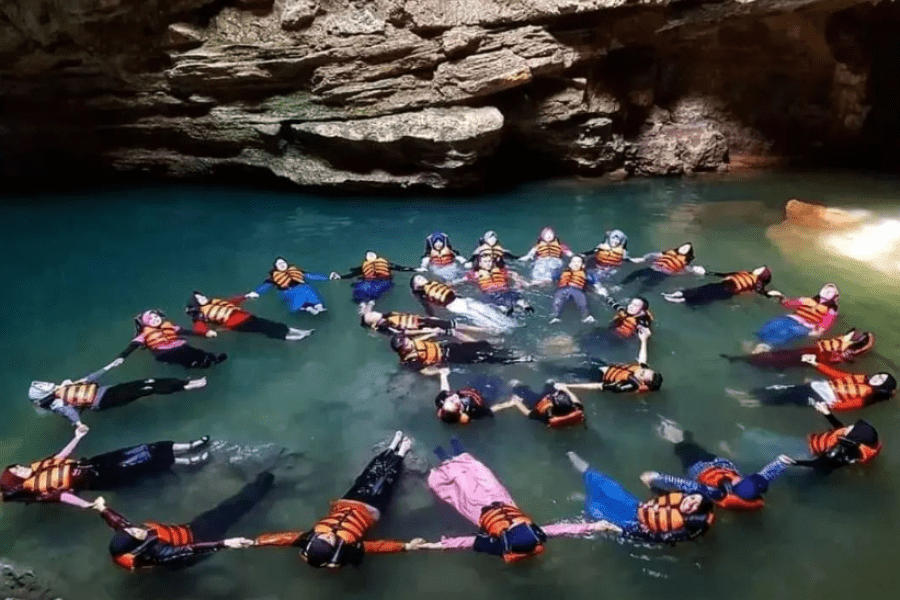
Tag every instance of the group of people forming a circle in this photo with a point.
(453, 331)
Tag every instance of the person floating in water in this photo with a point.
(489, 245)
(59, 478)
(547, 255)
(215, 312)
(572, 284)
(70, 398)
(292, 286)
(610, 254)
(434, 293)
(845, 348)
(840, 446)
(813, 317)
(440, 257)
(392, 323)
(376, 278)
(732, 284)
(464, 405)
(179, 546)
(165, 341)
(668, 517)
(629, 318)
(422, 352)
(503, 529)
(670, 262)
(617, 377)
(555, 406)
(715, 478)
(840, 392)
(338, 539)
(495, 282)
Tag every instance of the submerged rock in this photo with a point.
(21, 583)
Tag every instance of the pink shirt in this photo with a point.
(827, 320)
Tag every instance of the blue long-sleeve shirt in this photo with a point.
(673, 483)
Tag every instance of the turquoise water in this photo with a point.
(78, 267)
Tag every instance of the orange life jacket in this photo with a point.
(496, 252)
(717, 476)
(438, 293)
(852, 392)
(470, 397)
(552, 249)
(545, 407)
(619, 373)
(576, 279)
(175, 535)
(626, 325)
(155, 337)
(741, 282)
(442, 257)
(812, 312)
(288, 278)
(671, 262)
(822, 443)
(609, 257)
(427, 352)
(663, 515)
(376, 269)
(495, 280)
(348, 520)
(50, 475)
(218, 311)
(404, 321)
(78, 395)
(497, 520)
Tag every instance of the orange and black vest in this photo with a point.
(174, 535)
(154, 337)
(833, 345)
(438, 293)
(619, 373)
(545, 407)
(741, 282)
(218, 311)
(403, 321)
(497, 252)
(576, 279)
(288, 278)
(822, 443)
(426, 352)
(494, 280)
(78, 395)
(376, 269)
(852, 392)
(718, 477)
(500, 518)
(663, 515)
(470, 398)
(626, 325)
(812, 312)
(348, 520)
(606, 256)
(51, 475)
(552, 249)
(670, 262)
(442, 257)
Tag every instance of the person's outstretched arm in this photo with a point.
(776, 468)
(69, 412)
(444, 375)
(695, 269)
(282, 538)
(586, 386)
(670, 483)
(80, 431)
(134, 345)
(312, 276)
(564, 388)
(353, 272)
(643, 335)
(396, 267)
(579, 529)
(529, 255)
(384, 546)
(73, 500)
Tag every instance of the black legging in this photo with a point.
(650, 277)
(190, 357)
(706, 294)
(375, 485)
(125, 393)
(266, 327)
(786, 394)
(119, 467)
(690, 452)
(776, 359)
(212, 525)
(478, 352)
(529, 396)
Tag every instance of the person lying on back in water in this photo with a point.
(618, 377)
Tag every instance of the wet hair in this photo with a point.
(864, 433)
(655, 381)
(412, 281)
(318, 553)
(397, 342)
(861, 341)
(449, 416)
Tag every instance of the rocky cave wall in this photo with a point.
(352, 94)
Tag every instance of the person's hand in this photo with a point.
(644, 333)
(601, 290)
(99, 504)
(809, 359)
(414, 544)
(559, 386)
(333, 276)
(600, 526)
(421, 269)
(251, 295)
(81, 430)
(238, 542)
(647, 477)
(66, 382)
(114, 364)
(211, 334)
(700, 270)
(774, 294)
(444, 371)
(786, 460)
(822, 407)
